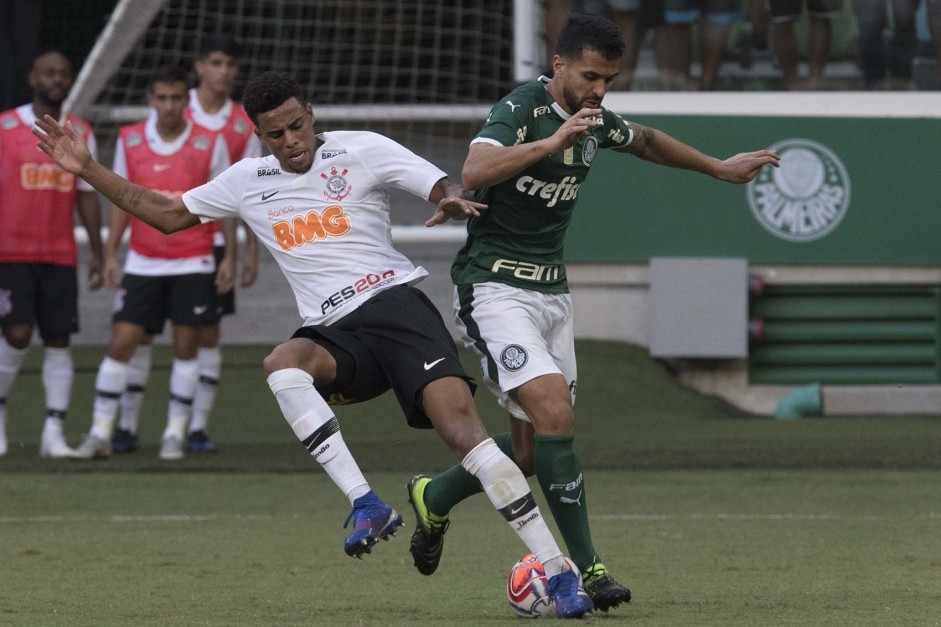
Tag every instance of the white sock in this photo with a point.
(53, 429)
(10, 361)
(138, 374)
(210, 367)
(57, 376)
(109, 385)
(183, 378)
(509, 492)
(317, 428)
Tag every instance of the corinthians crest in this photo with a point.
(337, 186)
(804, 199)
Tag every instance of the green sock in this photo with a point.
(456, 484)
(560, 476)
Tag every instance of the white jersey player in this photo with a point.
(367, 329)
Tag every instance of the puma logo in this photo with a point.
(513, 107)
(576, 501)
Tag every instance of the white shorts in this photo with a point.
(519, 335)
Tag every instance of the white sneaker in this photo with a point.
(92, 448)
(171, 448)
(55, 447)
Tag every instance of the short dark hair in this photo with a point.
(589, 31)
(168, 73)
(268, 91)
(218, 42)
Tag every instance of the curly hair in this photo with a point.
(268, 91)
(589, 31)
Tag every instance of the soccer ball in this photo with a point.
(527, 588)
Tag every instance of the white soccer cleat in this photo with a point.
(55, 448)
(93, 448)
(171, 448)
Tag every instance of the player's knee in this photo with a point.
(277, 359)
(18, 336)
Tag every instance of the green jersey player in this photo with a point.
(511, 298)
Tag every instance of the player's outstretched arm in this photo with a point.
(68, 149)
(658, 147)
(452, 202)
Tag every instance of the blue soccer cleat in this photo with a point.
(199, 442)
(373, 520)
(123, 441)
(571, 601)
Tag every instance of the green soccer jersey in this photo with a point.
(519, 239)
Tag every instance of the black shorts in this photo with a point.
(225, 303)
(149, 301)
(41, 294)
(790, 10)
(395, 340)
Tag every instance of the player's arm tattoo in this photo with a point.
(643, 135)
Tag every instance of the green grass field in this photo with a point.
(711, 516)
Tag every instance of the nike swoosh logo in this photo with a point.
(199, 310)
(267, 196)
(160, 167)
(433, 364)
(514, 512)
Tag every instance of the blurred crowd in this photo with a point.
(689, 45)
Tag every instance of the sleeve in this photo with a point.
(394, 165)
(618, 131)
(119, 166)
(219, 198)
(220, 157)
(506, 125)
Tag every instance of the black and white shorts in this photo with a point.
(396, 339)
(149, 301)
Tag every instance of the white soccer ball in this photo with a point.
(527, 588)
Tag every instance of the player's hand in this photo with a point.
(225, 275)
(744, 166)
(111, 272)
(249, 270)
(95, 276)
(63, 144)
(575, 128)
(454, 208)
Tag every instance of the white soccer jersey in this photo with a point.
(328, 229)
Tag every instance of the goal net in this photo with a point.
(423, 72)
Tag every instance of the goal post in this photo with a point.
(423, 72)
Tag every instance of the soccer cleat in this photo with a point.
(373, 520)
(569, 597)
(604, 591)
(93, 448)
(53, 445)
(123, 441)
(427, 541)
(199, 442)
(171, 448)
